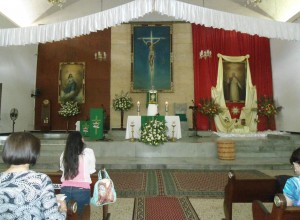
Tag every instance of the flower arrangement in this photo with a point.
(266, 106)
(122, 102)
(209, 107)
(68, 109)
(154, 132)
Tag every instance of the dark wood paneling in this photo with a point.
(97, 76)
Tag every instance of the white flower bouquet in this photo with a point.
(122, 102)
(154, 132)
(69, 109)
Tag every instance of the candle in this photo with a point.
(173, 124)
(166, 106)
(138, 106)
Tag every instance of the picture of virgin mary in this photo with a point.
(71, 82)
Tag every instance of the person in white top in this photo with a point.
(77, 163)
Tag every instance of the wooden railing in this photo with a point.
(246, 190)
(279, 210)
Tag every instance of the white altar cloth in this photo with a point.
(136, 120)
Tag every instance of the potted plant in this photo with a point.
(69, 109)
(209, 108)
(266, 107)
(154, 132)
(122, 102)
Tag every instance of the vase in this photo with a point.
(122, 118)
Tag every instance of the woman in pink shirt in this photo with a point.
(77, 163)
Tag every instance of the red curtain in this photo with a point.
(229, 43)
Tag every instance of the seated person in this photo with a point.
(26, 194)
(291, 189)
(240, 128)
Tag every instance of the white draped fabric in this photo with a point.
(223, 121)
(138, 8)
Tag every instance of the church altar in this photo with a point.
(137, 121)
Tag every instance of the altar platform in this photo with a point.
(195, 150)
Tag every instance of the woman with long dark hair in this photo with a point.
(77, 163)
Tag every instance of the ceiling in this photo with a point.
(36, 12)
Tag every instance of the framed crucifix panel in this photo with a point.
(151, 58)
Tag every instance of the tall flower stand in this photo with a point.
(122, 118)
(67, 131)
(210, 123)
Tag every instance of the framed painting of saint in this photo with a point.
(234, 81)
(151, 58)
(71, 82)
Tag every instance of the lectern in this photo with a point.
(96, 124)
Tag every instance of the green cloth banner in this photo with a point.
(85, 128)
(145, 119)
(96, 123)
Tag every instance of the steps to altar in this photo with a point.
(271, 153)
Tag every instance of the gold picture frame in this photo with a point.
(71, 82)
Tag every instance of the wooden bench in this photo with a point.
(55, 178)
(246, 190)
(279, 210)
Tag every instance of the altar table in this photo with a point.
(136, 121)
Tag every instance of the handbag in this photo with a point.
(104, 190)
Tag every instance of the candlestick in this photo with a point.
(166, 108)
(138, 107)
(132, 131)
(173, 131)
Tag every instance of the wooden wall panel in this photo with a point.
(97, 76)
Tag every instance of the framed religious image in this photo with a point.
(71, 82)
(234, 81)
(151, 58)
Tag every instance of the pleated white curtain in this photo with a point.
(138, 8)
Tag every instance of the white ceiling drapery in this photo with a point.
(138, 8)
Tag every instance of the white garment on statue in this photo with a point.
(234, 89)
(89, 164)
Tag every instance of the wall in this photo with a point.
(97, 76)
(286, 78)
(17, 75)
(182, 72)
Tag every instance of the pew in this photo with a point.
(55, 178)
(246, 190)
(279, 210)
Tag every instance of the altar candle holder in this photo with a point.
(173, 132)
(132, 131)
(166, 108)
(138, 108)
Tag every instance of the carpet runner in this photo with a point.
(191, 183)
(163, 207)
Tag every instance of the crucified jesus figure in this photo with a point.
(150, 42)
